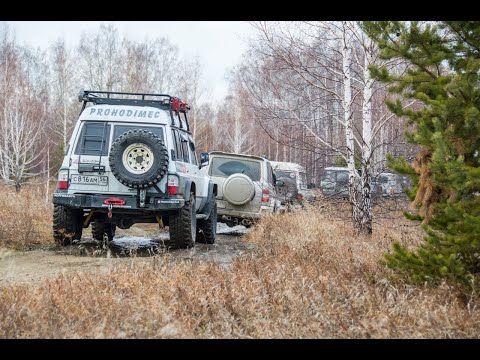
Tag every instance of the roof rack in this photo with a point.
(162, 101)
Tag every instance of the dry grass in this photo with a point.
(26, 218)
(309, 278)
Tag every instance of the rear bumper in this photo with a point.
(222, 213)
(132, 202)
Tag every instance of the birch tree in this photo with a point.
(99, 59)
(324, 75)
(24, 152)
(8, 71)
(148, 66)
(206, 135)
(19, 132)
(64, 85)
(190, 87)
(235, 119)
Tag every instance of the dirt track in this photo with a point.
(137, 245)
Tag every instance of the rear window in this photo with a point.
(93, 139)
(335, 176)
(389, 179)
(120, 129)
(225, 167)
(329, 176)
(284, 174)
(342, 177)
(303, 180)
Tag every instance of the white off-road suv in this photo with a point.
(247, 188)
(131, 159)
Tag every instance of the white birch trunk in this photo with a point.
(276, 146)
(194, 124)
(366, 205)
(65, 119)
(47, 190)
(347, 119)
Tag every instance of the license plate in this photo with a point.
(221, 204)
(89, 180)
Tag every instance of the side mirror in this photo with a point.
(204, 158)
(279, 183)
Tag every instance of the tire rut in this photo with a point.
(33, 266)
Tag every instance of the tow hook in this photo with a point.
(143, 194)
(110, 207)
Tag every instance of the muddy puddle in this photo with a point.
(41, 262)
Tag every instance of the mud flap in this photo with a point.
(188, 186)
(210, 199)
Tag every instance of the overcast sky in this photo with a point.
(220, 44)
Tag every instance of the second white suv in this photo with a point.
(245, 187)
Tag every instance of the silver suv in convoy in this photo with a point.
(334, 182)
(293, 176)
(245, 186)
(390, 184)
(131, 159)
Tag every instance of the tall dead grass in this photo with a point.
(25, 217)
(309, 277)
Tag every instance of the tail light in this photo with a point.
(172, 185)
(63, 180)
(265, 195)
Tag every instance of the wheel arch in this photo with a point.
(189, 188)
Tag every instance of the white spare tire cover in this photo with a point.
(238, 189)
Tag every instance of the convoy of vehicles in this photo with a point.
(335, 183)
(131, 159)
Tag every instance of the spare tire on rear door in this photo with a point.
(238, 189)
(288, 192)
(138, 159)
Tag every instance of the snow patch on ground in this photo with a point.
(237, 229)
(129, 241)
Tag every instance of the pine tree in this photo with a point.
(443, 75)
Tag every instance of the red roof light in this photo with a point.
(179, 105)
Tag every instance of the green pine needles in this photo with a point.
(442, 64)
